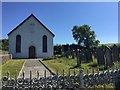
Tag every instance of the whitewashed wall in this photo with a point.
(30, 36)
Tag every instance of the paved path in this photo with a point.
(33, 65)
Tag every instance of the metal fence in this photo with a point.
(69, 81)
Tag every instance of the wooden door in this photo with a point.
(32, 51)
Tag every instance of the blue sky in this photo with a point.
(60, 17)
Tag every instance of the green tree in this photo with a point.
(57, 49)
(4, 44)
(84, 36)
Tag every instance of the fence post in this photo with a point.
(45, 79)
(98, 72)
(23, 75)
(93, 78)
(57, 77)
(117, 79)
(69, 79)
(113, 76)
(8, 76)
(63, 77)
(104, 77)
(37, 74)
(74, 75)
(30, 79)
(81, 79)
(16, 75)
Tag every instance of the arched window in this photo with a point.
(18, 44)
(44, 43)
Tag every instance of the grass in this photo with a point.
(3, 52)
(64, 63)
(12, 66)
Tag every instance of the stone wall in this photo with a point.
(5, 57)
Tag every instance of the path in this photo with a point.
(33, 65)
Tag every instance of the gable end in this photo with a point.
(26, 20)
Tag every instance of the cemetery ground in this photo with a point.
(69, 63)
(12, 66)
(65, 64)
(55, 64)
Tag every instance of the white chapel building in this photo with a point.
(31, 39)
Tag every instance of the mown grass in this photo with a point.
(12, 66)
(3, 52)
(64, 63)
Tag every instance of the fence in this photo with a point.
(70, 81)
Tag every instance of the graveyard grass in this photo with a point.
(4, 52)
(64, 63)
(12, 66)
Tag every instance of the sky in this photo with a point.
(60, 17)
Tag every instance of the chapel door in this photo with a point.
(32, 51)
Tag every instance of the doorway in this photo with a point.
(32, 52)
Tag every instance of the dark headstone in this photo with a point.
(115, 53)
(78, 59)
(108, 55)
(65, 48)
(88, 55)
(73, 55)
(67, 54)
(100, 56)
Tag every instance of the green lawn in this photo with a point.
(64, 63)
(4, 52)
(12, 66)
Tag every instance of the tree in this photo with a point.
(84, 36)
(4, 44)
(57, 49)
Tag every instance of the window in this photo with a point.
(18, 44)
(44, 43)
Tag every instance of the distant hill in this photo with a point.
(110, 44)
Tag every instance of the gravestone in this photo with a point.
(88, 55)
(78, 58)
(65, 48)
(73, 55)
(108, 55)
(119, 53)
(100, 56)
(94, 51)
(67, 54)
(85, 55)
(115, 53)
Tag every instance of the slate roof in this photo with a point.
(26, 20)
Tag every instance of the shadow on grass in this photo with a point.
(76, 66)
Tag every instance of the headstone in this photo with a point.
(119, 52)
(108, 55)
(115, 53)
(94, 52)
(65, 48)
(73, 55)
(78, 58)
(85, 55)
(66, 54)
(88, 55)
(100, 56)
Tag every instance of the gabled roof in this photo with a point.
(26, 20)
